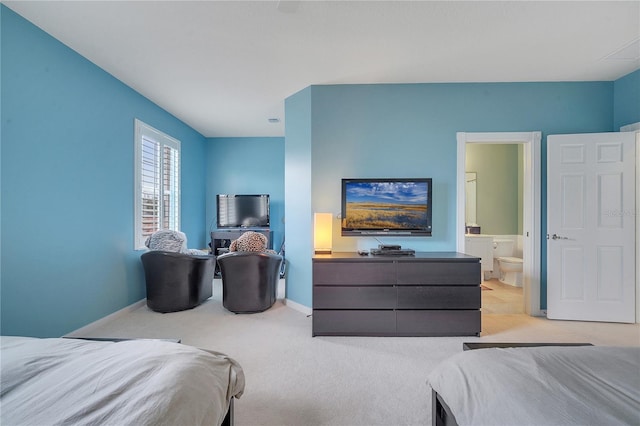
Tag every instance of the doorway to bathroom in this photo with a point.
(502, 226)
(493, 214)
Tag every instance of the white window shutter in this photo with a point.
(157, 192)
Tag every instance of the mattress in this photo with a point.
(79, 382)
(588, 385)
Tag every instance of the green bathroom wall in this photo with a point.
(499, 178)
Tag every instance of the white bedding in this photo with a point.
(588, 385)
(136, 382)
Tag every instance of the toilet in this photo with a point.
(510, 267)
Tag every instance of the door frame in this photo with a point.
(532, 209)
(635, 127)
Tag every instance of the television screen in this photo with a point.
(242, 211)
(386, 207)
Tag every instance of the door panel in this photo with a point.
(591, 227)
(610, 278)
(610, 200)
(573, 198)
(572, 273)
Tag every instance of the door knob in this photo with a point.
(557, 237)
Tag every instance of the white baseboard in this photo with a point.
(87, 329)
(298, 307)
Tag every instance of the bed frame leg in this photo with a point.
(228, 419)
(434, 408)
(441, 414)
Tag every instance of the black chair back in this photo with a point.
(177, 281)
(249, 280)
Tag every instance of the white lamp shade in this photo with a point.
(322, 232)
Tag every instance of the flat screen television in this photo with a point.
(386, 207)
(242, 211)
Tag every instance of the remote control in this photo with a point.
(363, 252)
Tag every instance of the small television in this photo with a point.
(242, 211)
(386, 207)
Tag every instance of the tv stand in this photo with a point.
(429, 294)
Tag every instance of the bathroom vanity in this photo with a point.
(480, 246)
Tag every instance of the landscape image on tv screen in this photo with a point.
(386, 204)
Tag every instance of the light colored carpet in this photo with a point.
(502, 299)
(294, 379)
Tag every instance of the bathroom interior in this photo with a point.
(494, 222)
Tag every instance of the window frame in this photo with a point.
(143, 131)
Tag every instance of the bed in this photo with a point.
(131, 382)
(551, 385)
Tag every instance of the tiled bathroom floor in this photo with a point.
(502, 298)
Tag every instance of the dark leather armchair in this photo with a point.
(177, 281)
(249, 280)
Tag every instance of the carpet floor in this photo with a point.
(295, 379)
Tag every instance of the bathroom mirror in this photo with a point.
(470, 196)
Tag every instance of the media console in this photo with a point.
(428, 294)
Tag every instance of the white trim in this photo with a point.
(634, 127)
(637, 212)
(87, 330)
(298, 307)
(532, 205)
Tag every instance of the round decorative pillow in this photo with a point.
(249, 241)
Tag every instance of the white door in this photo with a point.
(591, 227)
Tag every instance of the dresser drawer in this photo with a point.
(354, 273)
(354, 323)
(438, 323)
(354, 297)
(440, 273)
(438, 297)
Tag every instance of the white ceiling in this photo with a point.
(225, 67)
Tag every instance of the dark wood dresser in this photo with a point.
(429, 294)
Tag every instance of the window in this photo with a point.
(157, 180)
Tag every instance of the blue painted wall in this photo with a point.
(410, 130)
(67, 185)
(247, 166)
(626, 107)
(298, 196)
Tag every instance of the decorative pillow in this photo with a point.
(173, 241)
(250, 241)
(167, 240)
